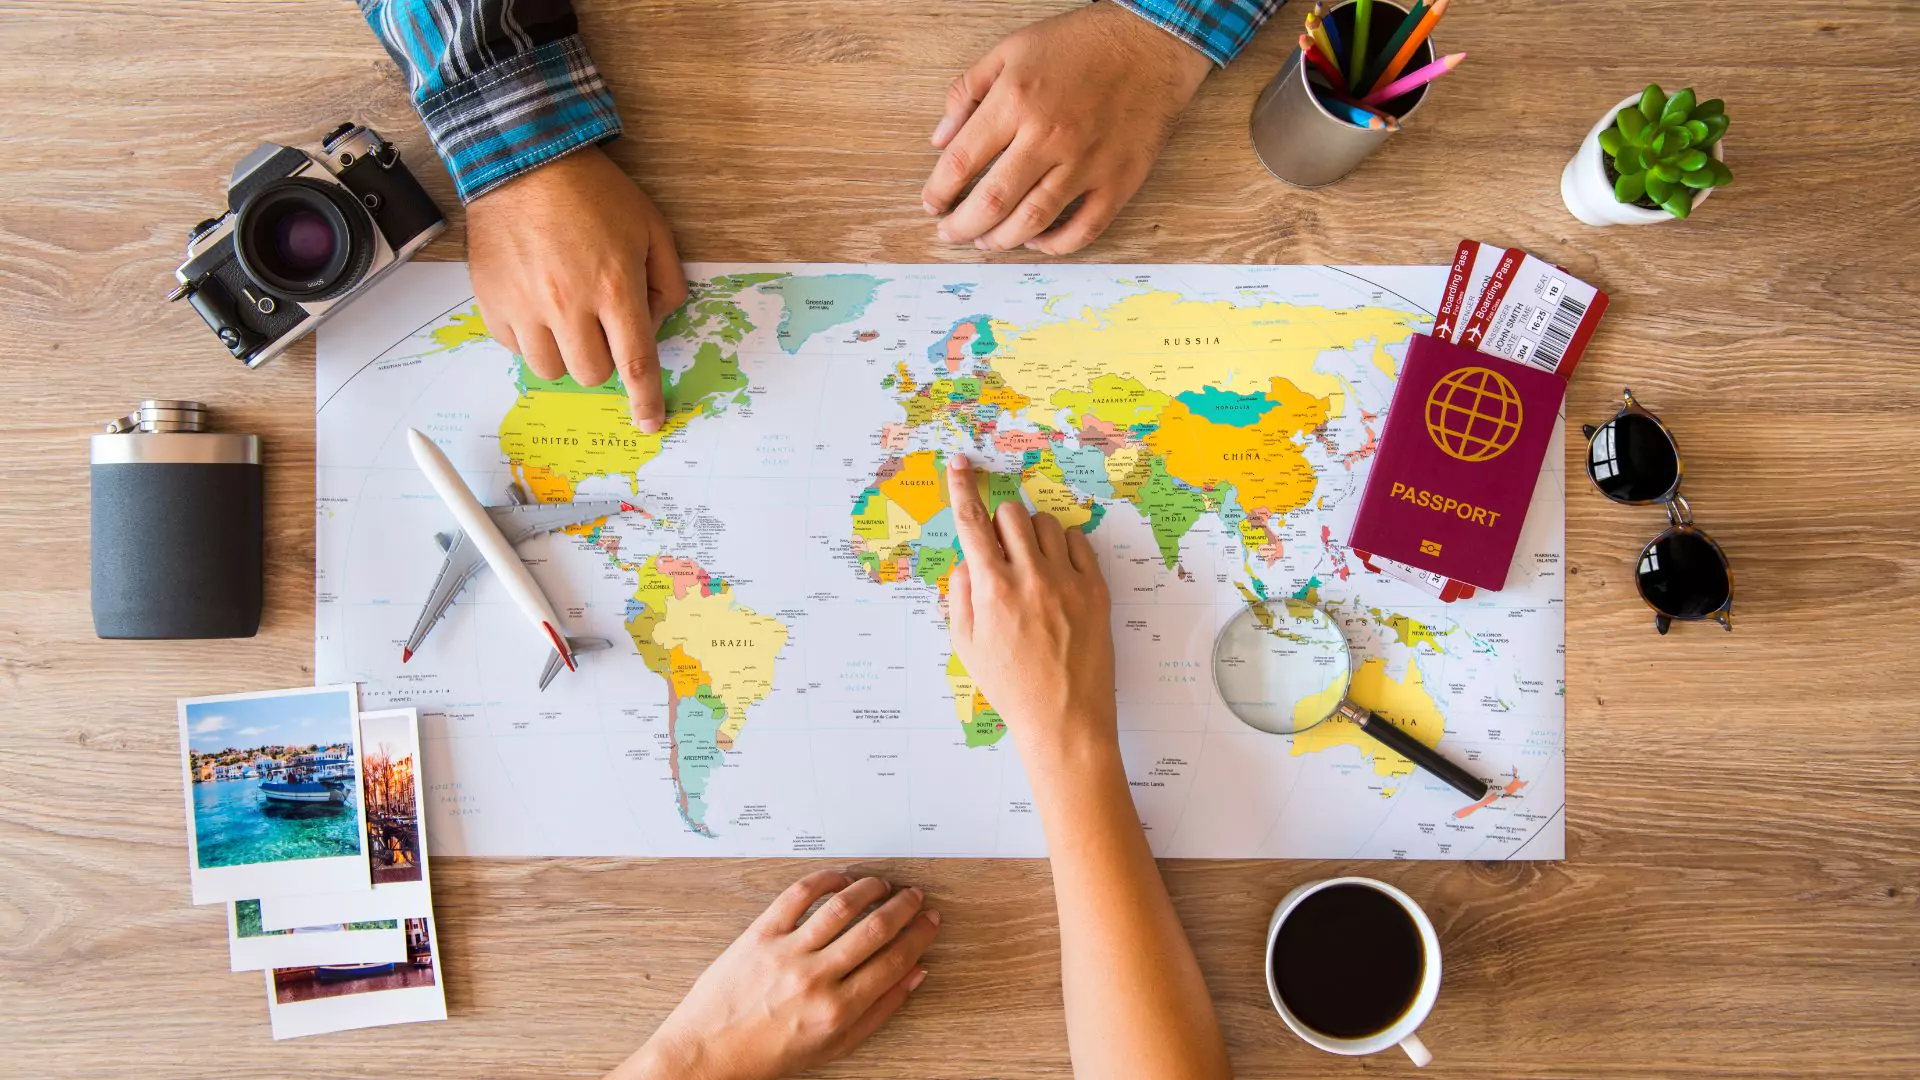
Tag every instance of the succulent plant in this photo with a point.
(1662, 149)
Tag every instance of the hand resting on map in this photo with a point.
(1072, 107)
(1028, 610)
(796, 990)
(574, 269)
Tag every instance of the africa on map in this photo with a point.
(780, 681)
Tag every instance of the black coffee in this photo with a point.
(1348, 961)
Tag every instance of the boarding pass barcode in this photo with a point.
(1559, 332)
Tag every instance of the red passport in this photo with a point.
(1458, 460)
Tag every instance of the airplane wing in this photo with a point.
(462, 562)
(577, 645)
(518, 522)
(522, 522)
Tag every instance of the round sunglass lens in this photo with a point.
(1683, 575)
(1631, 459)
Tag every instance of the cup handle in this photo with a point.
(1416, 1050)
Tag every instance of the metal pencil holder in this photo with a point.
(1295, 136)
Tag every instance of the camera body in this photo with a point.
(303, 235)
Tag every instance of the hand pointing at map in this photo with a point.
(575, 269)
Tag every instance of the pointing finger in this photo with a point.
(630, 329)
(977, 539)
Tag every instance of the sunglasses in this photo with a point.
(1683, 575)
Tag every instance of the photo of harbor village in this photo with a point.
(273, 779)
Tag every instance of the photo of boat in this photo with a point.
(343, 972)
(309, 782)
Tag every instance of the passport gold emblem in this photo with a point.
(1473, 414)
(1429, 547)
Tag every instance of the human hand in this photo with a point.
(789, 995)
(1076, 107)
(574, 270)
(1028, 611)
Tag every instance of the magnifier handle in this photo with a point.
(1386, 732)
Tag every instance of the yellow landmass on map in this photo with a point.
(978, 720)
(461, 328)
(573, 436)
(1405, 701)
(919, 488)
(1411, 631)
(1172, 345)
(1264, 462)
(1119, 401)
(1046, 485)
(731, 648)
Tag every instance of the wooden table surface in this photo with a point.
(1741, 895)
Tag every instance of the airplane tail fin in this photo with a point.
(575, 645)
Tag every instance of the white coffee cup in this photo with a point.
(1401, 1033)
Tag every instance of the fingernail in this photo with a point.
(927, 206)
(981, 244)
(914, 980)
(957, 461)
(1031, 246)
(941, 130)
(647, 424)
(933, 916)
(943, 234)
(916, 893)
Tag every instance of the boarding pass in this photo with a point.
(1513, 305)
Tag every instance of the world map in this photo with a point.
(779, 679)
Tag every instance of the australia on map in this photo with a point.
(774, 588)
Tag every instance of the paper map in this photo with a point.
(780, 681)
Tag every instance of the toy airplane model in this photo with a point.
(487, 536)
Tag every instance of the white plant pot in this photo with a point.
(1588, 195)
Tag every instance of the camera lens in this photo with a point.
(304, 239)
(303, 242)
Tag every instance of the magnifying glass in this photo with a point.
(1283, 666)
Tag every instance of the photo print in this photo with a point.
(315, 999)
(391, 777)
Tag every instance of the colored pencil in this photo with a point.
(1420, 78)
(1333, 35)
(1317, 27)
(1412, 44)
(1387, 119)
(1327, 67)
(1362, 19)
(1362, 81)
(1354, 114)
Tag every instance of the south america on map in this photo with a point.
(777, 678)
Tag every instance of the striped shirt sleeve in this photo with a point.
(1218, 28)
(503, 86)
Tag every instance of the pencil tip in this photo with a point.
(406, 655)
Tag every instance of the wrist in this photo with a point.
(663, 1057)
(1071, 749)
(1187, 64)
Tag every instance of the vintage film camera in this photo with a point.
(303, 235)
